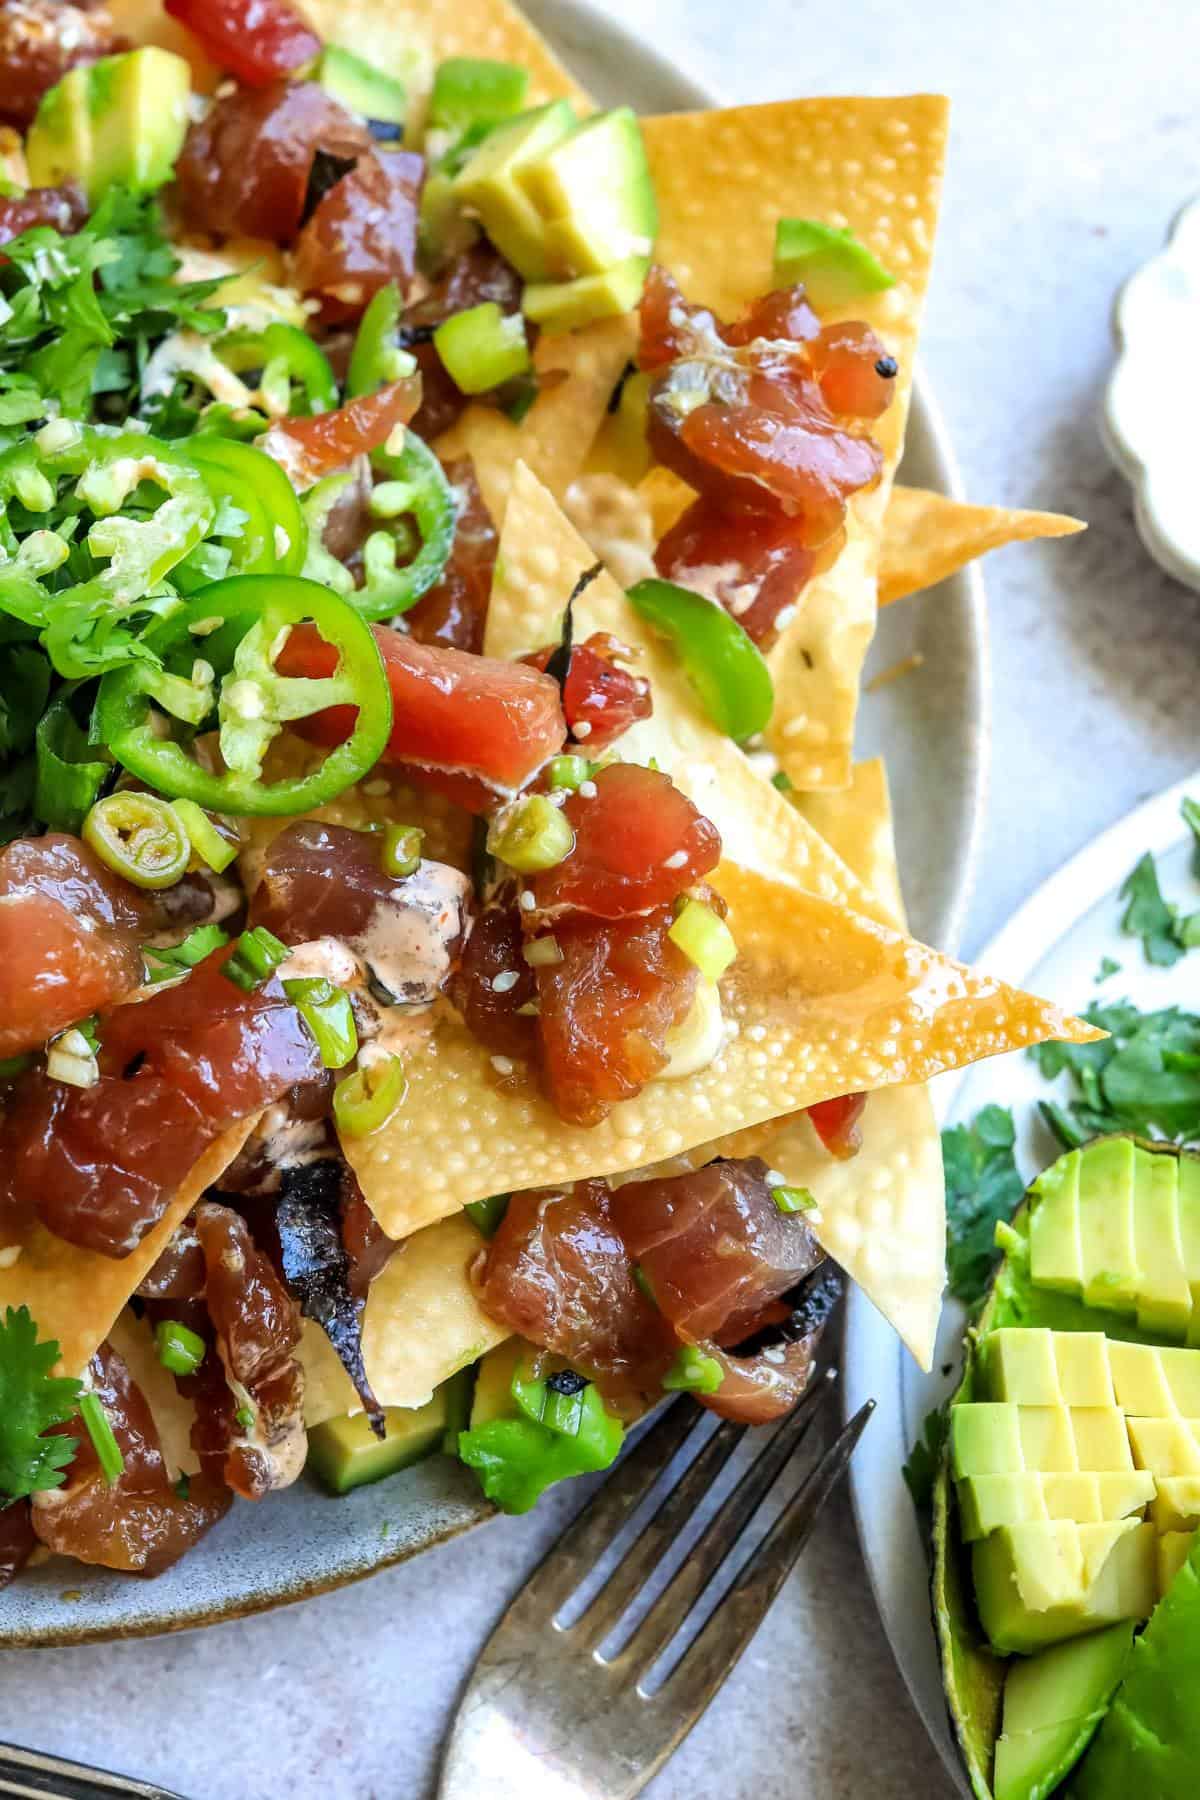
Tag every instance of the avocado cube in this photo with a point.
(1101, 1438)
(1106, 1228)
(986, 1502)
(1172, 1549)
(1181, 1372)
(1047, 1439)
(1164, 1305)
(985, 1439)
(1084, 1373)
(344, 1453)
(490, 185)
(1093, 1499)
(135, 108)
(1035, 1561)
(1055, 1249)
(362, 88)
(474, 91)
(1189, 1235)
(1177, 1503)
(493, 1397)
(1021, 1366)
(1165, 1446)
(595, 192)
(559, 306)
(1140, 1381)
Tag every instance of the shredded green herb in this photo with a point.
(983, 1186)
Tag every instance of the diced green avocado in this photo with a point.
(985, 1439)
(1048, 1439)
(1037, 1584)
(1053, 1706)
(1021, 1366)
(1101, 1439)
(1176, 1503)
(493, 1383)
(568, 305)
(1056, 1256)
(1166, 1446)
(1106, 1231)
(1164, 1297)
(834, 266)
(1173, 1548)
(471, 90)
(987, 1502)
(120, 120)
(344, 1453)
(1189, 1236)
(1139, 1380)
(1149, 1743)
(490, 185)
(596, 194)
(362, 88)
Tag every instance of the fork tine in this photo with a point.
(725, 1634)
(656, 1537)
(590, 1533)
(720, 1536)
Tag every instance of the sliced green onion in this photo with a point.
(485, 1215)
(180, 1349)
(89, 1030)
(139, 837)
(108, 1451)
(704, 939)
(71, 1058)
(257, 956)
(693, 1373)
(783, 781)
(365, 1100)
(643, 1281)
(12, 1066)
(401, 852)
(531, 835)
(793, 1199)
(244, 1416)
(482, 347)
(543, 953)
(568, 771)
(217, 851)
(327, 1012)
(183, 1487)
(176, 959)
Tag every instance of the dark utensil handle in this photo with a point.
(28, 1775)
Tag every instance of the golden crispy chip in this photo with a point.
(928, 536)
(541, 555)
(723, 179)
(75, 1295)
(580, 372)
(133, 1341)
(422, 1323)
(389, 35)
(824, 1002)
(882, 1213)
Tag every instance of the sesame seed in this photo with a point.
(784, 617)
(676, 861)
(527, 900)
(506, 979)
(503, 1065)
(582, 730)
(587, 790)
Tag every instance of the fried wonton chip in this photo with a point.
(881, 1213)
(422, 1323)
(723, 179)
(929, 536)
(75, 1295)
(578, 374)
(133, 1340)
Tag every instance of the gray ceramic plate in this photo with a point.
(932, 727)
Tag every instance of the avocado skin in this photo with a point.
(1149, 1742)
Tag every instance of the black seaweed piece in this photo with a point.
(325, 173)
(559, 664)
(812, 1300)
(567, 1382)
(410, 335)
(316, 1267)
(614, 399)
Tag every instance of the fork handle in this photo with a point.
(29, 1775)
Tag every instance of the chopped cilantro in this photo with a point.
(1144, 1077)
(1189, 812)
(1107, 967)
(983, 1187)
(1149, 917)
(925, 1458)
(31, 1401)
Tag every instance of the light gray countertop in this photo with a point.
(1074, 143)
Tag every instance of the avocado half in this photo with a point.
(972, 1674)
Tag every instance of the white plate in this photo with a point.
(932, 727)
(1054, 945)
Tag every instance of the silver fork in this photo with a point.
(545, 1715)
(28, 1775)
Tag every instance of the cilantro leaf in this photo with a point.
(925, 1457)
(1189, 812)
(1107, 967)
(31, 1401)
(1144, 1077)
(983, 1186)
(1148, 916)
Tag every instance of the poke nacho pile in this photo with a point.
(454, 983)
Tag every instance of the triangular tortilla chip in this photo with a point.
(929, 536)
(881, 1213)
(75, 1295)
(580, 373)
(723, 179)
(422, 1323)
